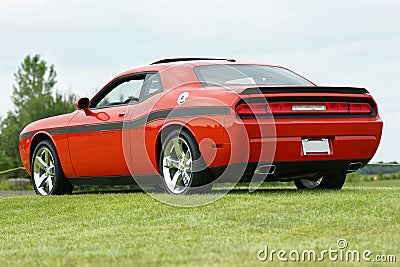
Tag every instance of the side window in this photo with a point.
(152, 85)
(125, 92)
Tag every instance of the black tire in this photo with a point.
(48, 180)
(199, 176)
(333, 181)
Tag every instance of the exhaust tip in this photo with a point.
(265, 169)
(355, 166)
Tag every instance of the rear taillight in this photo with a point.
(289, 108)
(245, 109)
(360, 108)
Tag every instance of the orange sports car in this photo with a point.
(184, 124)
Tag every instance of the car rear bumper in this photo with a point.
(350, 141)
(290, 149)
(284, 171)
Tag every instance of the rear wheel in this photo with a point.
(47, 175)
(179, 162)
(333, 181)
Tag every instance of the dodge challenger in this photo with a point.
(184, 124)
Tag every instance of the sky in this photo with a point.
(346, 43)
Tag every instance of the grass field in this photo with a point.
(133, 229)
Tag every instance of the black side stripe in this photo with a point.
(52, 131)
(177, 113)
(156, 115)
(57, 131)
(26, 135)
(96, 127)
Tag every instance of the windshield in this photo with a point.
(224, 75)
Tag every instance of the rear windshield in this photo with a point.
(225, 75)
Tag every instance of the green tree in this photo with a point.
(34, 97)
(10, 129)
(5, 161)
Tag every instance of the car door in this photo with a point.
(141, 134)
(95, 135)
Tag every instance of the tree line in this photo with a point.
(34, 97)
(381, 169)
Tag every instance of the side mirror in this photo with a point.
(83, 103)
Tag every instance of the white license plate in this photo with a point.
(316, 146)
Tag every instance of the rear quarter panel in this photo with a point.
(203, 114)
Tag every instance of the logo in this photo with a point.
(182, 97)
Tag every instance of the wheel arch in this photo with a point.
(37, 138)
(167, 129)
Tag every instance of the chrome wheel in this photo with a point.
(43, 171)
(177, 165)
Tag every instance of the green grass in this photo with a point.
(133, 229)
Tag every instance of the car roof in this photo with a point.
(176, 72)
(181, 69)
(163, 64)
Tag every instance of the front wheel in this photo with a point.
(334, 181)
(47, 175)
(180, 162)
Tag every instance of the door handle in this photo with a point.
(122, 114)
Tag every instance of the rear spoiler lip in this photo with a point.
(304, 89)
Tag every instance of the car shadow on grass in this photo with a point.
(238, 189)
(83, 190)
(241, 188)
